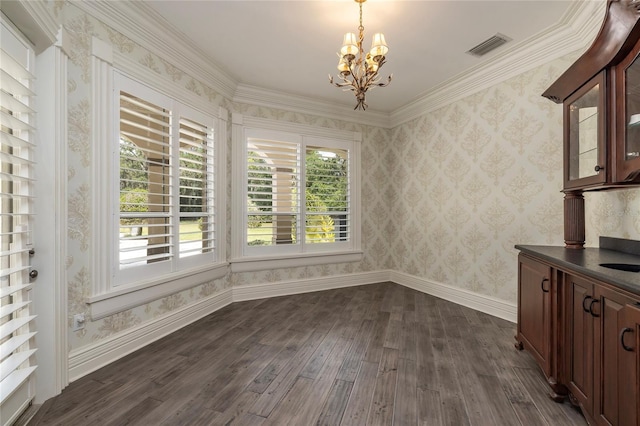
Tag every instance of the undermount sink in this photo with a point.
(630, 267)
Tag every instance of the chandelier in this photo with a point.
(359, 72)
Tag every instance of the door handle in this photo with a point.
(542, 285)
(622, 333)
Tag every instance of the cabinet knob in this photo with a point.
(597, 168)
(622, 333)
(542, 285)
(33, 274)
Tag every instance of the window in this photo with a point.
(297, 189)
(17, 145)
(166, 169)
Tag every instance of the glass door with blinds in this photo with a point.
(17, 329)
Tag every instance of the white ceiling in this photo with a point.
(290, 46)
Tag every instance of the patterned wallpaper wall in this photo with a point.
(444, 197)
(482, 174)
(81, 28)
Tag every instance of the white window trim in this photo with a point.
(241, 262)
(107, 298)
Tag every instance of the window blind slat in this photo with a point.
(10, 327)
(11, 85)
(14, 343)
(13, 122)
(13, 67)
(9, 158)
(14, 104)
(14, 381)
(6, 310)
(13, 362)
(13, 141)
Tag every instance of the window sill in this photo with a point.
(126, 297)
(250, 264)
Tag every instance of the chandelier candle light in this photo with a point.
(358, 72)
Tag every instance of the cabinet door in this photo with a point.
(629, 392)
(534, 310)
(612, 361)
(627, 100)
(579, 345)
(584, 152)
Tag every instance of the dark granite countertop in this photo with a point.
(587, 262)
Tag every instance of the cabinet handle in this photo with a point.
(542, 285)
(591, 307)
(584, 308)
(597, 168)
(622, 333)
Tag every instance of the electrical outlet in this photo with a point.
(78, 322)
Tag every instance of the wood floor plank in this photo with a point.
(406, 409)
(335, 404)
(429, 408)
(382, 404)
(262, 381)
(281, 385)
(366, 355)
(361, 395)
(351, 364)
(315, 398)
(238, 408)
(556, 414)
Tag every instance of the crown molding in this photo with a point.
(575, 31)
(147, 28)
(275, 99)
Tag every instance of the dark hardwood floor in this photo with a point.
(371, 355)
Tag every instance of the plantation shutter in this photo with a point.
(273, 192)
(197, 218)
(17, 329)
(327, 213)
(146, 202)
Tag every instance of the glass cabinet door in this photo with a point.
(584, 116)
(628, 123)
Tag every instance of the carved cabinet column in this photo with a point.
(574, 219)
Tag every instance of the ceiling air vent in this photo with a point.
(489, 44)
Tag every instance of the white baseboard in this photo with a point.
(488, 305)
(284, 288)
(89, 358)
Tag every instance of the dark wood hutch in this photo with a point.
(578, 318)
(600, 94)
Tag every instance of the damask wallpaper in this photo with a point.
(445, 196)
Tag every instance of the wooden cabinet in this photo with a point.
(600, 93)
(585, 336)
(601, 98)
